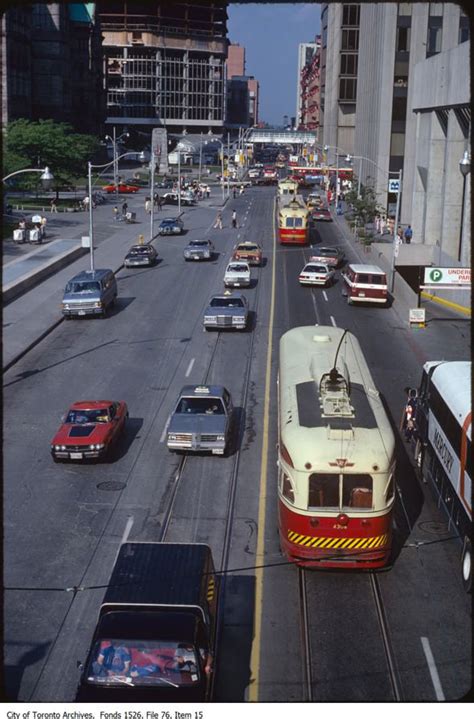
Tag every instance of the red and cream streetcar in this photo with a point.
(336, 484)
(293, 215)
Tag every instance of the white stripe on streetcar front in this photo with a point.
(433, 670)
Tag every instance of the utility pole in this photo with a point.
(395, 232)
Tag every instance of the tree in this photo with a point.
(47, 144)
(365, 207)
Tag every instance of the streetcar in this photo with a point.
(443, 422)
(287, 189)
(293, 220)
(336, 453)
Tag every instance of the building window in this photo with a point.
(350, 40)
(403, 39)
(347, 89)
(399, 109)
(350, 15)
(435, 29)
(349, 64)
(463, 28)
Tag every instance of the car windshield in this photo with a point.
(140, 250)
(200, 405)
(138, 663)
(325, 252)
(237, 268)
(169, 222)
(88, 416)
(314, 268)
(83, 287)
(199, 243)
(248, 248)
(226, 302)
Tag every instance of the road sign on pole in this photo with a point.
(394, 186)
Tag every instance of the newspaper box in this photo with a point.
(35, 235)
(19, 235)
(130, 217)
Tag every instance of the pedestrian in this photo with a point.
(218, 222)
(234, 219)
(116, 213)
(409, 414)
(148, 205)
(377, 224)
(208, 191)
(22, 224)
(124, 209)
(43, 226)
(400, 235)
(408, 234)
(141, 240)
(86, 202)
(241, 189)
(54, 207)
(234, 193)
(383, 225)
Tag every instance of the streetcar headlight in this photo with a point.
(287, 489)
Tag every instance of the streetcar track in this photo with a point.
(305, 637)
(387, 645)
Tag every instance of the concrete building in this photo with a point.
(52, 65)
(399, 99)
(306, 51)
(247, 114)
(165, 64)
(235, 63)
(309, 84)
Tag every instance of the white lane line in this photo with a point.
(325, 295)
(333, 321)
(126, 531)
(163, 434)
(433, 670)
(190, 366)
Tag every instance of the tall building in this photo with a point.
(52, 65)
(165, 64)
(242, 103)
(309, 86)
(306, 51)
(395, 94)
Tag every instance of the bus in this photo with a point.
(293, 220)
(443, 424)
(336, 453)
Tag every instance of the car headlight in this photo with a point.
(97, 304)
(172, 437)
(220, 437)
(206, 254)
(186, 254)
(239, 320)
(97, 446)
(210, 318)
(66, 306)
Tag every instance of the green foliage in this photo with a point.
(47, 144)
(364, 208)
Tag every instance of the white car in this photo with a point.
(237, 274)
(315, 273)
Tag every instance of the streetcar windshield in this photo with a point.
(324, 491)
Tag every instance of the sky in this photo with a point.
(271, 33)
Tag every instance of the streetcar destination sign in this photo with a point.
(453, 276)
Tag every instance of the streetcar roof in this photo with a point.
(362, 435)
(453, 382)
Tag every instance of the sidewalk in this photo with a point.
(30, 317)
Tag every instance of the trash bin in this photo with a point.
(35, 236)
(19, 235)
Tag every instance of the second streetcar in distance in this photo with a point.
(336, 459)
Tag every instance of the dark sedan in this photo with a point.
(330, 256)
(141, 255)
(171, 226)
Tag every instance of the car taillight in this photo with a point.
(285, 455)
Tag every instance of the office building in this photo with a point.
(309, 88)
(242, 102)
(306, 51)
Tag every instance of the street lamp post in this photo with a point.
(395, 232)
(200, 160)
(179, 180)
(46, 175)
(114, 142)
(465, 168)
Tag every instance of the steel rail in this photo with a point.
(387, 644)
(305, 635)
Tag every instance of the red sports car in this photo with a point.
(122, 188)
(90, 430)
(321, 213)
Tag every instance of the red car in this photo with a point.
(90, 430)
(122, 188)
(321, 213)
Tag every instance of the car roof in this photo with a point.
(318, 264)
(228, 296)
(207, 390)
(139, 247)
(239, 262)
(371, 269)
(170, 219)
(326, 249)
(246, 243)
(92, 404)
(89, 275)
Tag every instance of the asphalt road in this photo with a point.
(63, 524)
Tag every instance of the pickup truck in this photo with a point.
(155, 638)
(237, 274)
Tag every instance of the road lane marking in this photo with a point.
(325, 295)
(163, 434)
(333, 321)
(190, 366)
(432, 668)
(262, 497)
(126, 531)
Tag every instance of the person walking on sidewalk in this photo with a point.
(218, 222)
(148, 205)
(408, 234)
(116, 214)
(234, 219)
(54, 207)
(124, 209)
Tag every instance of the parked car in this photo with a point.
(171, 198)
(90, 292)
(321, 213)
(237, 274)
(316, 274)
(330, 256)
(251, 252)
(228, 310)
(201, 420)
(122, 188)
(90, 430)
(171, 226)
(199, 250)
(140, 255)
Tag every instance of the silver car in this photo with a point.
(201, 420)
(199, 250)
(227, 311)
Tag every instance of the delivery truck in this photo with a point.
(155, 638)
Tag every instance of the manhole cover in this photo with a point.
(434, 527)
(111, 486)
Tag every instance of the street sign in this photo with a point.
(394, 186)
(417, 317)
(451, 277)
